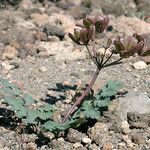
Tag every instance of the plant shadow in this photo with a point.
(60, 92)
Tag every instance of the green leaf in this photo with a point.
(22, 112)
(54, 126)
(111, 88)
(8, 88)
(16, 103)
(101, 103)
(45, 115)
(28, 99)
(31, 116)
(89, 111)
(47, 108)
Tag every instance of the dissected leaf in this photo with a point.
(102, 103)
(15, 103)
(31, 116)
(89, 111)
(111, 88)
(28, 99)
(51, 126)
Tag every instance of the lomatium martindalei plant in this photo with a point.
(124, 46)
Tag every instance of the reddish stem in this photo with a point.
(81, 98)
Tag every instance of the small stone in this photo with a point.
(103, 51)
(125, 127)
(61, 140)
(126, 131)
(121, 145)
(86, 140)
(66, 83)
(43, 69)
(49, 135)
(107, 146)
(124, 124)
(9, 53)
(43, 54)
(41, 36)
(53, 38)
(138, 138)
(74, 136)
(77, 145)
(54, 31)
(7, 66)
(99, 133)
(93, 147)
(140, 65)
(128, 141)
(31, 146)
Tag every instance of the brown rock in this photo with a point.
(74, 136)
(99, 133)
(130, 25)
(41, 36)
(9, 53)
(40, 19)
(107, 146)
(146, 59)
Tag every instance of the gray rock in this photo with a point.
(143, 6)
(138, 138)
(54, 31)
(132, 102)
(99, 133)
(117, 7)
(138, 121)
(74, 136)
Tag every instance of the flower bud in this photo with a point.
(84, 36)
(87, 22)
(101, 23)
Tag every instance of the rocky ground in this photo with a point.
(37, 55)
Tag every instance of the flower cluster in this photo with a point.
(127, 46)
(86, 33)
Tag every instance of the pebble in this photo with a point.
(31, 146)
(121, 145)
(7, 66)
(125, 127)
(43, 69)
(140, 65)
(9, 53)
(86, 140)
(77, 145)
(107, 146)
(138, 138)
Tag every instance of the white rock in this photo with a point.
(63, 50)
(140, 65)
(77, 145)
(86, 140)
(43, 69)
(124, 124)
(7, 66)
(102, 51)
